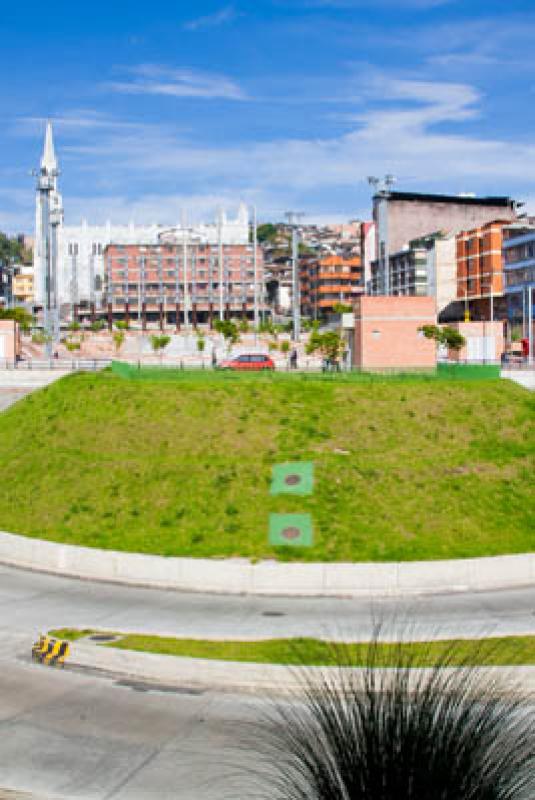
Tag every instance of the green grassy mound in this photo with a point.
(404, 469)
(496, 651)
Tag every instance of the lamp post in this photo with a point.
(293, 218)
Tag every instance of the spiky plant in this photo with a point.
(372, 733)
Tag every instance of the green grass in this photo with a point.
(405, 469)
(497, 651)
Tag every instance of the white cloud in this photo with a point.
(221, 17)
(411, 128)
(160, 80)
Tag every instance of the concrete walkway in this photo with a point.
(524, 377)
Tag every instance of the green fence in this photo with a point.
(442, 372)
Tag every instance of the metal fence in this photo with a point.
(59, 364)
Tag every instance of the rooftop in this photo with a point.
(416, 197)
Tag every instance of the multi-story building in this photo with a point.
(172, 282)
(81, 265)
(480, 284)
(403, 216)
(519, 275)
(426, 267)
(328, 281)
(23, 286)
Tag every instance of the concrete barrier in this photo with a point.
(240, 576)
(204, 674)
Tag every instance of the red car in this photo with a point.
(249, 362)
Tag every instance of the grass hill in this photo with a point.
(404, 469)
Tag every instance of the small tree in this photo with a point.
(342, 308)
(159, 343)
(444, 335)
(20, 315)
(229, 331)
(330, 344)
(285, 347)
(118, 340)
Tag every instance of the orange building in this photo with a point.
(327, 281)
(480, 280)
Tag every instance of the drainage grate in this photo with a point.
(273, 614)
(140, 686)
(103, 637)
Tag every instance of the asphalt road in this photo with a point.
(69, 735)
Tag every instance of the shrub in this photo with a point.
(285, 346)
(72, 346)
(118, 340)
(98, 325)
(122, 325)
(383, 734)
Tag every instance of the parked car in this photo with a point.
(254, 361)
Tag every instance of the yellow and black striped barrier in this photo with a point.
(50, 651)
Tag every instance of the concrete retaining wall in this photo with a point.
(239, 576)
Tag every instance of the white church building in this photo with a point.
(81, 249)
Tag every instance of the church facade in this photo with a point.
(82, 270)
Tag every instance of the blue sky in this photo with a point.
(288, 104)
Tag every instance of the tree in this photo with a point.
(118, 340)
(444, 335)
(342, 308)
(370, 733)
(267, 232)
(330, 344)
(159, 343)
(229, 331)
(20, 315)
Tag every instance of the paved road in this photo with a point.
(64, 735)
(33, 602)
(69, 735)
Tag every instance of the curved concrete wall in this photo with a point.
(239, 576)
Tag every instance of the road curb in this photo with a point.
(241, 577)
(204, 674)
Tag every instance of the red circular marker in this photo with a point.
(292, 480)
(291, 533)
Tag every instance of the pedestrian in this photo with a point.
(293, 359)
(214, 358)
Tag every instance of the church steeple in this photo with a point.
(49, 163)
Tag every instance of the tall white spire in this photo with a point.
(49, 162)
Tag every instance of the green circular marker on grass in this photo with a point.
(290, 530)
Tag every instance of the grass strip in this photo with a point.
(494, 651)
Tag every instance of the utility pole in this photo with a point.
(185, 269)
(220, 263)
(382, 192)
(255, 272)
(293, 218)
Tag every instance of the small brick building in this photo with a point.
(387, 335)
(9, 341)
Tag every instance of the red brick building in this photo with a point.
(387, 333)
(158, 282)
(330, 280)
(480, 280)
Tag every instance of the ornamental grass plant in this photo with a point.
(396, 734)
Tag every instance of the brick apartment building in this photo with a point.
(147, 282)
(329, 280)
(404, 216)
(387, 334)
(480, 281)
